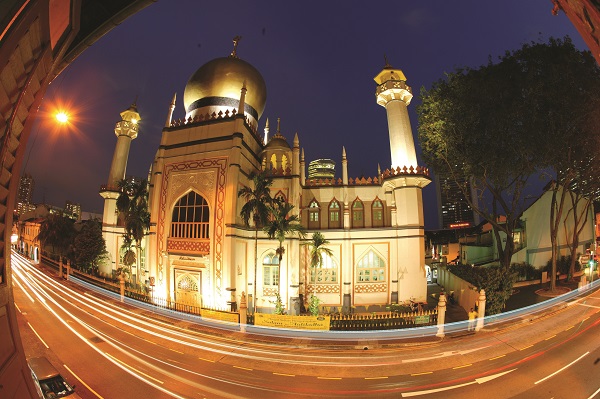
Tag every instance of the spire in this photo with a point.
(242, 106)
(171, 109)
(344, 167)
(387, 64)
(278, 125)
(236, 40)
(266, 140)
(302, 156)
(296, 141)
(343, 153)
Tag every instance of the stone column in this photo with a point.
(60, 268)
(122, 286)
(243, 312)
(441, 315)
(480, 310)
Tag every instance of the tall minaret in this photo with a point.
(126, 130)
(393, 94)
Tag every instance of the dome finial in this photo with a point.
(278, 122)
(387, 64)
(236, 40)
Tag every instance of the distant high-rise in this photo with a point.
(455, 209)
(73, 210)
(321, 169)
(25, 193)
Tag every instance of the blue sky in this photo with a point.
(318, 60)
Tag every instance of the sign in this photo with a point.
(222, 316)
(459, 225)
(293, 322)
(424, 319)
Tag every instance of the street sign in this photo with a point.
(424, 319)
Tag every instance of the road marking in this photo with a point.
(38, 335)
(497, 357)
(84, 384)
(147, 340)
(133, 368)
(329, 378)
(460, 367)
(527, 347)
(558, 371)
(550, 337)
(477, 381)
(569, 328)
(285, 375)
(375, 378)
(444, 354)
(243, 368)
(16, 306)
(594, 394)
(206, 360)
(585, 319)
(426, 372)
(174, 350)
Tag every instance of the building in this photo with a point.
(532, 238)
(25, 194)
(199, 251)
(72, 210)
(585, 16)
(455, 211)
(321, 169)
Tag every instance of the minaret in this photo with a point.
(266, 139)
(171, 109)
(394, 94)
(125, 130)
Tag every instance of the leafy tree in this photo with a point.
(281, 224)
(497, 125)
(256, 207)
(57, 231)
(317, 250)
(313, 305)
(89, 246)
(132, 203)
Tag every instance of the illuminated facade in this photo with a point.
(321, 169)
(198, 249)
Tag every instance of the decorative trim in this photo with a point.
(370, 288)
(221, 102)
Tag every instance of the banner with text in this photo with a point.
(295, 322)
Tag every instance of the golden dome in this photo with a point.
(219, 83)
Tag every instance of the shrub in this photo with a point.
(525, 271)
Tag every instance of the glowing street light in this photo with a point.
(62, 117)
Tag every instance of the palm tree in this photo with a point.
(256, 206)
(281, 224)
(317, 250)
(133, 204)
(58, 231)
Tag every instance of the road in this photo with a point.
(114, 350)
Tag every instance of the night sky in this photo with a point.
(318, 60)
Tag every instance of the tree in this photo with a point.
(562, 86)
(498, 125)
(89, 246)
(281, 224)
(317, 250)
(57, 231)
(256, 206)
(132, 203)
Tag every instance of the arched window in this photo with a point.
(273, 162)
(280, 196)
(271, 270)
(371, 268)
(377, 213)
(284, 163)
(191, 217)
(327, 273)
(314, 212)
(334, 215)
(358, 214)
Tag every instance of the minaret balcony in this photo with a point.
(393, 90)
(126, 128)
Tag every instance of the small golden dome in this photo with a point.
(219, 82)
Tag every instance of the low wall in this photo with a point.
(465, 294)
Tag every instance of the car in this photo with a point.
(48, 381)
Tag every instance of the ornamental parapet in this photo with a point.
(278, 172)
(109, 187)
(199, 118)
(405, 171)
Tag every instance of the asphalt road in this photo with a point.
(114, 350)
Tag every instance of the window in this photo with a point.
(377, 209)
(371, 268)
(191, 217)
(273, 162)
(313, 215)
(271, 270)
(334, 215)
(358, 214)
(327, 273)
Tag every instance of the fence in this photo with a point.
(389, 321)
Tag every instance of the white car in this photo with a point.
(48, 382)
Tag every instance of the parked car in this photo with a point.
(48, 382)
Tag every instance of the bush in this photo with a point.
(525, 271)
(562, 265)
(497, 283)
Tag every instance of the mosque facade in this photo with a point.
(199, 251)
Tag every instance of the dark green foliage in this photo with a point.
(57, 232)
(563, 265)
(497, 283)
(526, 272)
(132, 203)
(89, 246)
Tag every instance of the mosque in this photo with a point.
(198, 250)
